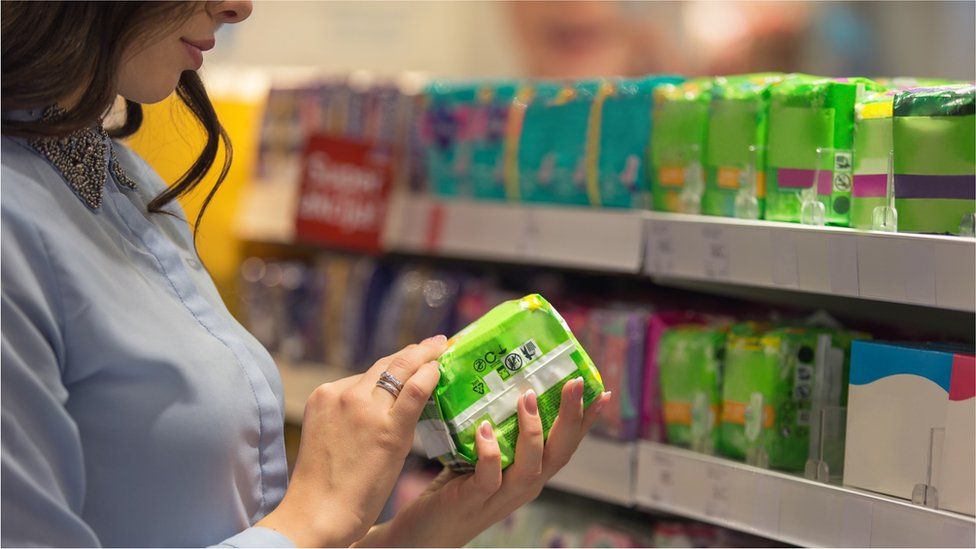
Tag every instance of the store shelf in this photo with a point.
(600, 469)
(935, 271)
(786, 507)
(575, 237)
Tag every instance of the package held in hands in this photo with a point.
(519, 345)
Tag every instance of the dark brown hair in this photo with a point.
(51, 50)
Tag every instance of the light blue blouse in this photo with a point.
(136, 410)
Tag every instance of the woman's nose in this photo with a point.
(230, 11)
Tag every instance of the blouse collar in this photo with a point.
(84, 157)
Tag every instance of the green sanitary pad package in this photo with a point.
(872, 147)
(552, 145)
(679, 118)
(934, 135)
(690, 362)
(519, 345)
(620, 129)
(776, 384)
(735, 146)
(809, 160)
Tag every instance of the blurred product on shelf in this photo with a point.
(782, 147)
(897, 419)
(691, 361)
(618, 337)
(735, 146)
(680, 116)
(934, 140)
(959, 451)
(551, 155)
(518, 345)
(617, 148)
(809, 154)
(777, 381)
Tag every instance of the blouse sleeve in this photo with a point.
(43, 467)
(43, 488)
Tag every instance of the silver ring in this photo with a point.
(392, 380)
(388, 387)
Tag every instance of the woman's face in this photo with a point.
(151, 69)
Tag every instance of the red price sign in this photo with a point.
(344, 194)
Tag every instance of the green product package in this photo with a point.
(690, 362)
(872, 146)
(934, 139)
(552, 145)
(735, 145)
(679, 124)
(519, 345)
(619, 134)
(809, 160)
(776, 384)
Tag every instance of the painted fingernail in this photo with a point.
(602, 403)
(577, 389)
(434, 339)
(485, 430)
(531, 402)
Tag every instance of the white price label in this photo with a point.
(716, 260)
(660, 249)
(662, 486)
(717, 495)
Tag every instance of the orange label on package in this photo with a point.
(728, 178)
(672, 176)
(735, 412)
(677, 413)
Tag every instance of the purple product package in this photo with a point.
(620, 357)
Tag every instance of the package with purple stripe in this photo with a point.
(809, 169)
(934, 139)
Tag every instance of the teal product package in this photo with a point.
(776, 384)
(552, 144)
(447, 134)
(519, 345)
(492, 106)
(680, 118)
(735, 145)
(690, 361)
(619, 136)
(809, 160)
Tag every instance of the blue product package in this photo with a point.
(376, 289)
(447, 125)
(552, 146)
(620, 179)
(492, 108)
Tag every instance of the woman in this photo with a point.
(136, 411)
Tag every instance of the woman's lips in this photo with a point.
(196, 48)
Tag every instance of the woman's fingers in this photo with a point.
(593, 412)
(567, 430)
(526, 470)
(405, 363)
(487, 477)
(417, 389)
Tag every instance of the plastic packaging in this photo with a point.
(493, 103)
(735, 147)
(552, 145)
(518, 345)
(690, 358)
(618, 145)
(680, 118)
(776, 382)
(620, 352)
(934, 139)
(809, 163)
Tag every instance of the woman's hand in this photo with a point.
(456, 508)
(355, 438)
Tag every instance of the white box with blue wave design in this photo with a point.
(896, 415)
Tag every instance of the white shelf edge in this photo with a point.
(785, 507)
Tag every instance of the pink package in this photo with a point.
(652, 418)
